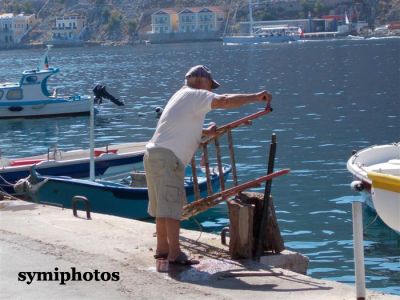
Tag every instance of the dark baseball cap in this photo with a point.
(202, 71)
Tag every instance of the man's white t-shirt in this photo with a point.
(181, 124)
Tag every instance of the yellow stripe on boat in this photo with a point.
(385, 181)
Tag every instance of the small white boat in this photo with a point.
(30, 96)
(377, 173)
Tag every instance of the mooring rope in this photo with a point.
(6, 195)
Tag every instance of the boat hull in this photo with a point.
(250, 40)
(76, 164)
(385, 195)
(377, 169)
(45, 108)
(107, 197)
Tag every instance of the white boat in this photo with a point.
(264, 34)
(377, 173)
(30, 96)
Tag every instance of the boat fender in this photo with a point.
(159, 111)
(357, 185)
(15, 108)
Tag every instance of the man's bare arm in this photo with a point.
(237, 100)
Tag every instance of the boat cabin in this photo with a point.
(32, 86)
(271, 31)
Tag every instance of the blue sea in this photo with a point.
(329, 98)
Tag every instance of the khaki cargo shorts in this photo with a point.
(165, 178)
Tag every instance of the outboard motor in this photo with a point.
(100, 92)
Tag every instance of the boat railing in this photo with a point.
(213, 137)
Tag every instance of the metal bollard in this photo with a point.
(358, 250)
(83, 199)
(224, 231)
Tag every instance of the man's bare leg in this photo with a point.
(173, 228)
(162, 237)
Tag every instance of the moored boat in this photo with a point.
(109, 160)
(377, 173)
(266, 34)
(129, 199)
(31, 98)
(386, 198)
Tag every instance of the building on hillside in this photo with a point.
(13, 28)
(69, 28)
(164, 21)
(189, 24)
(6, 31)
(188, 20)
(203, 19)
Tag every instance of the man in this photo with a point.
(173, 145)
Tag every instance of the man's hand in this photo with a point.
(264, 96)
(211, 129)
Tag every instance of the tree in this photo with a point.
(114, 24)
(27, 7)
(106, 14)
(319, 8)
(307, 7)
(132, 26)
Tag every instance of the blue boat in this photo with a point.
(129, 200)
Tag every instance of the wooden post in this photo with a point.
(240, 229)
(245, 215)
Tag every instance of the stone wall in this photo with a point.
(176, 37)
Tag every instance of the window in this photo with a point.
(31, 79)
(14, 94)
(1, 94)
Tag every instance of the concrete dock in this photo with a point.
(39, 238)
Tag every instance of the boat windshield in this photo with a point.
(14, 94)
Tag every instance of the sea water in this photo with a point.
(329, 98)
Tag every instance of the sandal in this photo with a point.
(184, 260)
(161, 256)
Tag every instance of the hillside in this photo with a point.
(122, 20)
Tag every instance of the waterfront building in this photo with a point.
(188, 24)
(6, 31)
(13, 28)
(69, 27)
(204, 19)
(164, 21)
